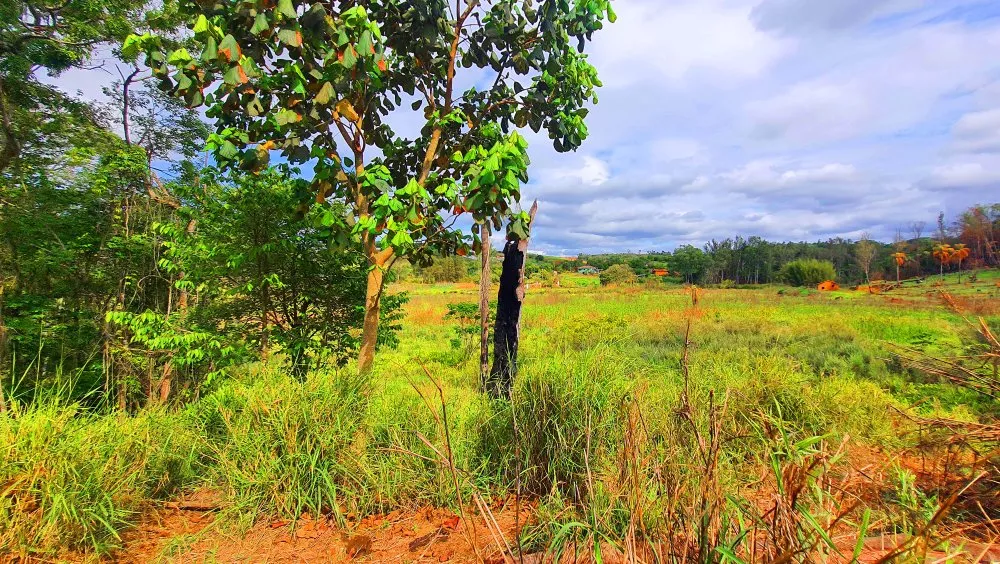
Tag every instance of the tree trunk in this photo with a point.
(507, 326)
(166, 382)
(484, 305)
(373, 305)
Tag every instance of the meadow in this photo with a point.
(648, 423)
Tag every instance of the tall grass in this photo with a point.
(72, 479)
(618, 450)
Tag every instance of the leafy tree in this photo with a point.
(865, 252)
(316, 82)
(266, 277)
(447, 269)
(52, 36)
(943, 253)
(808, 272)
(618, 274)
(690, 261)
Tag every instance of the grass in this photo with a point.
(599, 431)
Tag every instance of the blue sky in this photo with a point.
(786, 119)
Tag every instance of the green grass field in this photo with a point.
(599, 433)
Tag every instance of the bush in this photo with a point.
(807, 272)
(620, 274)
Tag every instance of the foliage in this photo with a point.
(316, 83)
(690, 262)
(618, 274)
(54, 36)
(807, 272)
(265, 276)
(448, 269)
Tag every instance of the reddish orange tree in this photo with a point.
(959, 253)
(943, 253)
(900, 259)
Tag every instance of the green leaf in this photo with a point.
(290, 37)
(350, 57)
(324, 94)
(211, 50)
(229, 49)
(201, 24)
(234, 76)
(287, 9)
(365, 47)
(228, 150)
(255, 108)
(260, 24)
(286, 116)
(179, 57)
(401, 239)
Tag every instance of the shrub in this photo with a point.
(807, 272)
(620, 274)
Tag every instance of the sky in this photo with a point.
(784, 119)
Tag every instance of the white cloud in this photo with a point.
(965, 175)
(978, 132)
(669, 40)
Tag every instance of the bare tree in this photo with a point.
(865, 252)
(917, 228)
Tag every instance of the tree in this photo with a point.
(690, 261)
(316, 83)
(807, 272)
(943, 253)
(917, 228)
(959, 253)
(865, 252)
(900, 259)
(267, 277)
(52, 36)
(619, 275)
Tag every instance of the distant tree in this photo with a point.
(979, 229)
(315, 82)
(865, 252)
(900, 259)
(917, 228)
(618, 274)
(943, 253)
(959, 253)
(807, 272)
(689, 261)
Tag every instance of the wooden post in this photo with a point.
(484, 305)
(507, 327)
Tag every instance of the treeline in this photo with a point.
(754, 260)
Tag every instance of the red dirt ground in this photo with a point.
(180, 534)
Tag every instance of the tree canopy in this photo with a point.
(323, 84)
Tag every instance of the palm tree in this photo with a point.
(900, 261)
(943, 254)
(959, 253)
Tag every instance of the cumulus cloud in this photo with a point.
(978, 132)
(786, 119)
